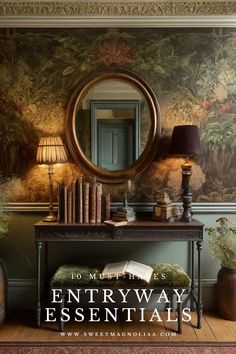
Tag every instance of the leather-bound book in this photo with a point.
(74, 204)
(99, 203)
(60, 215)
(86, 202)
(66, 204)
(93, 204)
(80, 201)
(69, 201)
(107, 206)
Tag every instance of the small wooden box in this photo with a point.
(165, 213)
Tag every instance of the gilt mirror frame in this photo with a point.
(75, 149)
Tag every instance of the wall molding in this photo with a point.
(198, 208)
(22, 283)
(117, 8)
(116, 21)
(108, 13)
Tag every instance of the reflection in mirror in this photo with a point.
(115, 142)
(113, 124)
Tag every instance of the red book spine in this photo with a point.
(93, 205)
(81, 201)
(73, 191)
(86, 202)
(70, 205)
(107, 206)
(99, 203)
(66, 205)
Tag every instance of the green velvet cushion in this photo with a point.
(167, 275)
(63, 276)
(174, 276)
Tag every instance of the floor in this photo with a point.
(21, 327)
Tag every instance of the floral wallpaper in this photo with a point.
(192, 72)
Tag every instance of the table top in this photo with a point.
(138, 230)
(142, 222)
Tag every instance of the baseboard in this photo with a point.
(22, 294)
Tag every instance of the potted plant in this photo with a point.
(3, 273)
(222, 242)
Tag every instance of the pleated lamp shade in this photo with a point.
(51, 150)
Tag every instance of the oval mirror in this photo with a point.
(113, 125)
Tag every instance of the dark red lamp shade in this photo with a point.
(185, 141)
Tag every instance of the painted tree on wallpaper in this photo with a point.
(193, 73)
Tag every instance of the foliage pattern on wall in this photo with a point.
(192, 71)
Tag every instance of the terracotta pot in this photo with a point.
(3, 292)
(226, 293)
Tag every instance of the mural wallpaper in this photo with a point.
(192, 71)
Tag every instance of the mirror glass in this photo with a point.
(112, 124)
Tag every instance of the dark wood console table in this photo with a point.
(137, 231)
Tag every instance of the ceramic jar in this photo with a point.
(226, 293)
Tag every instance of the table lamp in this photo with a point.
(51, 151)
(185, 142)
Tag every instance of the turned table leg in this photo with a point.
(199, 294)
(38, 308)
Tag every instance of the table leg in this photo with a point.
(199, 294)
(61, 307)
(46, 280)
(179, 314)
(192, 274)
(38, 310)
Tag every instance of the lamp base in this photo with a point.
(50, 218)
(187, 205)
(187, 192)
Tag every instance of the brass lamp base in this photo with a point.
(50, 218)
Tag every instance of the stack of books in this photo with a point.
(124, 214)
(82, 202)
